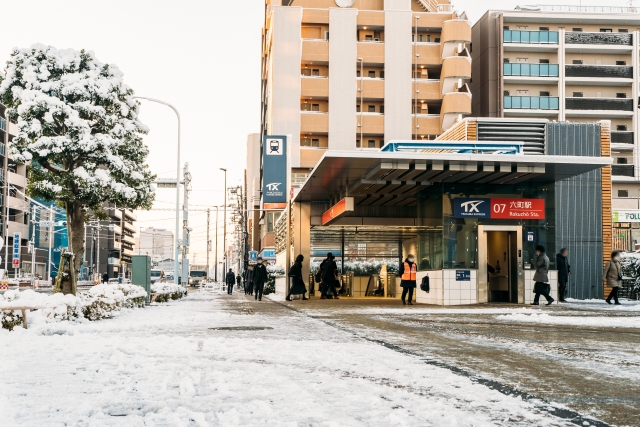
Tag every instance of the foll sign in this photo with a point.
(274, 172)
(16, 250)
(345, 205)
(626, 216)
(532, 209)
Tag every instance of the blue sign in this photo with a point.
(16, 245)
(274, 171)
(463, 275)
(531, 236)
(253, 256)
(269, 253)
(472, 208)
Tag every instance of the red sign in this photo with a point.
(517, 208)
(344, 205)
(16, 263)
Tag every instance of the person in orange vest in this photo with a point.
(408, 272)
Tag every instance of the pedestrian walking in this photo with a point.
(249, 288)
(239, 280)
(230, 280)
(612, 276)
(408, 273)
(329, 270)
(541, 278)
(260, 277)
(105, 278)
(297, 283)
(564, 271)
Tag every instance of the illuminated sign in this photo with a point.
(532, 209)
(626, 216)
(274, 172)
(345, 205)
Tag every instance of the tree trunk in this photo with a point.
(75, 228)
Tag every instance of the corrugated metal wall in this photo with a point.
(579, 207)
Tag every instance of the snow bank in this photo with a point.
(167, 291)
(597, 321)
(99, 302)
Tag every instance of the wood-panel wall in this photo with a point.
(607, 226)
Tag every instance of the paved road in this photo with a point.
(594, 370)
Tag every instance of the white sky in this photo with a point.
(203, 56)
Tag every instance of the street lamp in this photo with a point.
(224, 221)
(177, 243)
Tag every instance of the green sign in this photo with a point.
(626, 216)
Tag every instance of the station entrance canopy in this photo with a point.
(395, 178)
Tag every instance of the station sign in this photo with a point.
(626, 216)
(507, 208)
(274, 172)
(345, 205)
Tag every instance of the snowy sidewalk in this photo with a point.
(214, 361)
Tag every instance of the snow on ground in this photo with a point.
(165, 366)
(598, 321)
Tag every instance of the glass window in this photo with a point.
(371, 143)
(623, 193)
(371, 108)
(372, 74)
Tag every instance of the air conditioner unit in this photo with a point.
(376, 40)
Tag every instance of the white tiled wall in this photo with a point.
(281, 286)
(436, 292)
(460, 292)
(528, 286)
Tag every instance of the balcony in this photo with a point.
(17, 180)
(427, 124)
(315, 51)
(370, 52)
(115, 245)
(622, 170)
(309, 157)
(579, 42)
(371, 88)
(18, 203)
(530, 37)
(314, 122)
(622, 137)
(427, 89)
(531, 70)
(531, 103)
(456, 31)
(128, 239)
(596, 73)
(454, 68)
(428, 54)
(454, 105)
(3, 124)
(315, 87)
(18, 227)
(372, 123)
(599, 107)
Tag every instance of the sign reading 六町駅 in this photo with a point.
(499, 208)
(274, 172)
(626, 216)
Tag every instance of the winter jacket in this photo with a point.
(231, 278)
(562, 264)
(260, 276)
(542, 268)
(297, 283)
(409, 266)
(329, 271)
(612, 273)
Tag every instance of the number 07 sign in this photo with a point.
(528, 209)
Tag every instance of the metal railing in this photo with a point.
(603, 104)
(3, 124)
(618, 39)
(610, 71)
(622, 137)
(578, 8)
(622, 170)
(532, 70)
(532, 102)
(533, 37)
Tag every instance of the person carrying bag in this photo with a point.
(297, 286)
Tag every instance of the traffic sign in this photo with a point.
(16, 262)
(16, 250)
(253, 257)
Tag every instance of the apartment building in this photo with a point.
(114, 244)
(156, 242)
(565, 63)
(356, 74)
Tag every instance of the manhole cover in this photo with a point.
(241, 328)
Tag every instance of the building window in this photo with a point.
(371, 108)
(368, 38)
(428, 38)
(621, 160)
(621, 95)
(506, 93)
(544, 28)
(371, 143)
(623, 30)
(372, 74)
(621, 127)
(315, 72)
(577, 94)
(544, 93)
(357, 143)
(357, 108)
(437, 39)
(306, 72)
(606, 30)
(382, 74)
(420, 38)
(505, 60)
(382, 109)
(544, 61)
(621, 62)
(315, 142)
(315, 107)
(623, 193)
(578, 30)
(577, 62)
(357, 73)
(522, 92)
(381, 143)
(506, 27)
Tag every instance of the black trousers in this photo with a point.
(406, 291)
(614, 295)
(536, 300)
(562, 290)
(259, 289)
(229, 288)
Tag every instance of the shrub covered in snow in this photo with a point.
(631, 268)
(167, 291)
(99, 302)
(273, 271)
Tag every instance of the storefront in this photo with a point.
(471, 220)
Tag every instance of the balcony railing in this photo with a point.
(3, 124)
(622, 170)
(620, 39)
(610, 71)
(531, 102)
(622, 137)
(533, 37)
(531, 70)
(580, 8)
(3, 149)
(603, 104)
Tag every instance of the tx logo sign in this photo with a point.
(471, 206)
(274, 186)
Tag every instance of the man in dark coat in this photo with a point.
(329, 270)
(564, 271)
(231, 280)
(260, 277)
(541, 277)
(248, 288)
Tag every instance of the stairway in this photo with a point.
(428, 5)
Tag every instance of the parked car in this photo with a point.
(156, 275)
(197, 277)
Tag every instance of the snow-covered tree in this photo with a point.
(78, 129)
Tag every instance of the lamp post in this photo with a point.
(176, 267)
(224, 221)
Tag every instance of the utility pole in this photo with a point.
(185, 225)
(51, 231)
(215, 279)
(32, 249)
(224, 221)
(208, 244)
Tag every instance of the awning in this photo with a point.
(380, 178)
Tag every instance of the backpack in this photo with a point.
(425, 284)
